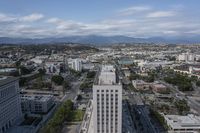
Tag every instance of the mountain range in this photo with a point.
(98, 40)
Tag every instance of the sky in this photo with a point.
(134, 18)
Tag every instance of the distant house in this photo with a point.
(158, 87)
(141, 85)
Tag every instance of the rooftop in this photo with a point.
(7, 80)
(107, 75)
(37, 97)
(180, 122)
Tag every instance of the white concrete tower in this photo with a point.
(107, 102)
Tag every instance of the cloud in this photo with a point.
(147, 22)
(32, 17)
(159, 14)
(132, 10)
(7, 18)
(54, 20)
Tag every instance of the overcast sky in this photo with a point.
(136, 18)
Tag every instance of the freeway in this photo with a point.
(127, 122)
(180, 95)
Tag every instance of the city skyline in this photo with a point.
(142, 18)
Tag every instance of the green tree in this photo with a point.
(57, 79)
(182, 106)
(134, 76)
(91, 74)
(24, 70)
(198, 83)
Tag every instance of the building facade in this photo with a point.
(10, 103)
(107, 102)
(183, 124)
(75, 64)
(36, 103)
(141, 85)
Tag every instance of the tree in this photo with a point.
(91, 74)
(57, 79)
(42, 71)
(182, 106)
(64, 112)
(24, 70)
(198, 83)
(134, 76)
(182, 81)
(159, 117)
(18, 64)
(79, 97)
(66, 86)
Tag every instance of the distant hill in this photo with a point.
(94, 39)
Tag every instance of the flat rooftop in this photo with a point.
(7, 80)
(107, 75)
(181, 122)
(36, 97)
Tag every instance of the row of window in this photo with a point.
(107, 90)
(107, 95)
(9, 90)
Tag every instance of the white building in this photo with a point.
(191, 57)
(107, 102)
(36, 103)
(39, 59)
(182, 57)
(187, 57)
(183, 124)
(10, 103)
(53, 67)
(75, 64)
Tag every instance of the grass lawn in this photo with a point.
(77, 115)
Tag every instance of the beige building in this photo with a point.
(141, 85)
(107, 102)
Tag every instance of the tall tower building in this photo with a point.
(10, 103)
(107, 102)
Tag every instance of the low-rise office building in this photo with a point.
(141, 85)
(36, 103)
(183, 124)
